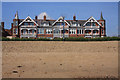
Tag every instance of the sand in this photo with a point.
(57, 59)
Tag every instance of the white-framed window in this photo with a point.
(88, 24)
(15, 23)
(79, 31)
(95, 31)
(26, 24)
(93, 24)
(33, 31)
(31, 24)
(24, 31)
(102, 31)
(72, 31)
(40, 31)
(48, 31)
(56, 31)
(102, 24)
(15, 31)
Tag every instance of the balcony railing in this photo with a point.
(91, 26)
(28, 26)
(95, 33)
(28, 35)
(88, 33)
(61, 27)
(60, 35)
(91, 33)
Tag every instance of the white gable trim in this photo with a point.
(26, 19)
(60, 18)
(93, 19)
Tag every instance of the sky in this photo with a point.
(82, 10)
(60, 0)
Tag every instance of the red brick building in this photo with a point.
(46, 28)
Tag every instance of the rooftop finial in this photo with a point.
(101, 18)
(16, 15)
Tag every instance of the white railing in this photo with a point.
(28, 26)
(60, 35)
(91, 26)
(88, 33)
(95, 33)
(28, 35)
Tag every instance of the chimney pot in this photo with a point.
(45, 17)
(36, 17)
(74, 18)
(2, 24)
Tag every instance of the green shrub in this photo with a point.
(66, 39)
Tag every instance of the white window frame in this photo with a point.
(32, 31)
(41, 31)
(15, 31)
(48, 31)
(24, 31)
(72, 31)
(80, 31)
(102, 31)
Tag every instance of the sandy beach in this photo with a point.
(58, 59)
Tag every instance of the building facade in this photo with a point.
(60, 28)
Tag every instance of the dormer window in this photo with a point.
(93, 24)
(31, 24)
(26, 24)
(88, 24)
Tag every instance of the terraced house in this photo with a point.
(60, 28)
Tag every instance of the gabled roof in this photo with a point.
(80, 22)
(93, 19)
(30, 19)
(59, 19)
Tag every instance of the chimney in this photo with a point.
(45, 17)
(11, 24)
(36, 17)
(2, 24)
(74, 18)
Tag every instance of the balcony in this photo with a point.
(91, 26)
(95, 33)
(88, 33)
(28, 35)
(60, 35)
(61, 27)
(28, 26)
